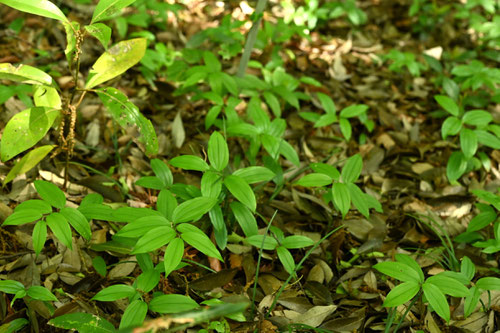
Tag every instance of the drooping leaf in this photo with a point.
(173, 255)
(78, 221)
(22, 217)
(341, 197)
(60, 227)
(46, 96)
(41, 293)
(134, 314)
(189, 162)
(27, 162)
(43, 8)
(245, 218)
(101, 32)
(25, 129)
(437, 300)
(488, 283)
(127, 115)
(116, 60)
(352, 169)
(241, 191)
(286, 259)
(202, 243)
(401, 294)
(39, 236)
(105, 9)
(471, 300)
(25, 74)
(154, 239)
(115, 292)
(82, 321)
(172, 303)
(11, 286)
(255, 174)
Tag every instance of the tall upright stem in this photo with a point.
(251, 37)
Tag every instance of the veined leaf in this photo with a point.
(43, 8)
(255, 174)
(154, 239)
(193, 209)
(115, 292)
(78, 221)
(241, 191)
(448, 104)
(28, 161)
(189, 162)
(134, 314)
(50, 193)
(127, 115)
(172, 303)
(116, 60)
(437, 300)
(22, 217)
(173, 255)
(202, 243)
(468, 142)
(25, 129)
(101, 32)
(398, 270)
(268, 243)
(401, 294)
(245, 219)
(24, 73)
(70, 51)
(105, 9)
(46, 96)
(314, 179)
(341, 197)
(448, 286)
(39, 236)
(41, 293)
(352, 169)
(286, 259)
(142, 225)
(85, 322)
(60, 227)
(218, 152)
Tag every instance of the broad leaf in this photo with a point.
(314, 179)
(60, 227)
(71, 29)
(173, 255)
(192, 210)
(398, 270)
(78, 221)
(46, 96)
(28, 161)
(142, 225)
(448, 286)
(101, 32)
(116, 60)
(457, 164)
(352, 169)
(471, 300)
(172, 303)
(359, 199)
(43, 8)
(448, 104)
(40, 205)
(326, 103)
(114, 293)
(241, 191)
(105, 9)
(211, 184)
(84, 322)
(255, 174)
(25, 129)
(50, 193)
(353, 110)
(39, 236)
(267, 243)
(162, 171)
(405, 259)
(134, 314)
(341, 197)
(468, 142)
(25, 74)
(41, 293)
(488, 283)
(22, 217)
(189, 162)
(127, 115)
(477, 118)
(11, 286)
(286, 259)
(297, 242)
(149, 278)
(218, 152)
(437, 300)
(202, 243)
(154, 239)
(451, 126)
(245, 219)
(401, 294)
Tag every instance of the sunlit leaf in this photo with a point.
(43, 8)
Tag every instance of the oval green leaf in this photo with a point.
(115, 292)
(172, 303)
(202, 243)
(218, 152)
(154, 239)
(27, 163)
(189, 162)
(105, 9)
(173, 255)
(50, 193)
(437, 300)
(43, 8)
(402, 293)
(241, 191)
(78, 221)
(60, 227)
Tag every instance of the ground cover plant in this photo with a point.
(265, 166)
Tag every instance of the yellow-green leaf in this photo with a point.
(38, 7)
(24, 73)
(28, 161)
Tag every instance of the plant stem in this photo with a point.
(252, 36)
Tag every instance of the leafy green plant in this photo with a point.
(400, 60)
(41, 212)
(458, 122)
(29, 126)
(343, 190)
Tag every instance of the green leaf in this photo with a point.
(173, 255)
(486, 138)
(71, 29)
(24, 73)
(341, 197)
(230, 84)
(218, 152)
(326, 169)
(345, 128)
(60, 227)
(142, 225)
(43, 8)
(255, 174)
(327, 103)
(451, 126)
(162, 171)
(154, 239)
(468, 142)
(10, 286)
(105, 9)
(202, 243)
(151, 182)
(358, 199)
(286, 259)
(41, 293)
(116, 60)
(193, 209)
(127, 115)
(325, 120)
(314, 179)
(115, 292)
(14, 326)
(211, 184)
(471, 300)
(448, 285)
(83, 322)
(398, 270)
(448, 104)
(457, 164)
(46, 96)
(482, 219)
(50, 193)
(243, 129)
(166, 203)
(25, 129)
(39, 236)
(245, 218)
(101, 32)
(477, 118)
(22, 217)
(172, 303)
(256, 240)
(78, 221)
(405, 259)
(467, 268)
(437, 300)
(240, 189)
(273, 103)
(27, 162)
(189, 162)
(401, 294)
(297, 242)
(287, 95)
(353, 111)
(134, 314)
(488, 283)
(36, 204)
(211, 61)
(99, 265)
(289, 152)
(352, 169)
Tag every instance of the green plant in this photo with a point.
(404, 59)
(343, 189)
(49, 110)
(458, 123)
